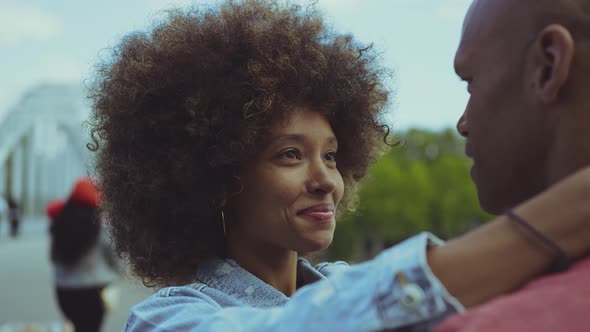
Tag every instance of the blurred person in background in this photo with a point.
(3, 211)
(14, 217)
(527, 126)
(82, 258)
(228, 137)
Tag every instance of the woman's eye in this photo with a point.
(290, 154)
(331, 156)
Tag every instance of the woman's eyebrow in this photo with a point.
(298, 138)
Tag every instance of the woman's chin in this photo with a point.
(315, 245)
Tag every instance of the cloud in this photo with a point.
(60, 68)
(166, 4)
(339, 4)
(21, 24)
(327, 4)
(453, 11)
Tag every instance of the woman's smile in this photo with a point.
(322, 213)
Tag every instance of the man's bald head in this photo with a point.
(491, 17)
(519, 21)
(574, 15)
(527, 64)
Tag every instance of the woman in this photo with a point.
(228, 137)
(82, 260)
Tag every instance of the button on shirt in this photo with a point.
(394, 291)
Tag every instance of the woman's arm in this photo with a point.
(393, 290)
(500, 256)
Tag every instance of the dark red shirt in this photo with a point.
(559, 302)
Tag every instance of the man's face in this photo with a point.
(506, 135)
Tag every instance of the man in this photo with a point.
(527, 125)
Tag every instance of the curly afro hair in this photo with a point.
(178, 109)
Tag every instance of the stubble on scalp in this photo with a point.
(514, 25)
(531, 16)
(572, 14)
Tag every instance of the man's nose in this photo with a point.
(462, 126)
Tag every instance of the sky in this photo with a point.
(45, 41)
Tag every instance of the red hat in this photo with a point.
(85, 192)
(54, 208)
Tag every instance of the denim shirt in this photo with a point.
(395, 291)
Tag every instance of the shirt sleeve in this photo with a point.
(395, 290)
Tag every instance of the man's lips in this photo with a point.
(468, 150)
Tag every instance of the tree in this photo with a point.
(421, 185)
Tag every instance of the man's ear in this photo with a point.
(555, 52)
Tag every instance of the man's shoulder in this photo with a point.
(556, 302)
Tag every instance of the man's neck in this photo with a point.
(571, 149)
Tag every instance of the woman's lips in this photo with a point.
(319, 216)
(323, 213)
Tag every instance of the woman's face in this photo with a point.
(292, 189)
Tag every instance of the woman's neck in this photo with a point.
(275, 266)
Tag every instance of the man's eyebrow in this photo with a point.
(461, 63)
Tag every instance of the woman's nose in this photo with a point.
(321, 178)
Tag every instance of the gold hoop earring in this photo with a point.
(223, 223)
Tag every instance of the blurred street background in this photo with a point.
(27, 299)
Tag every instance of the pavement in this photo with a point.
(27, 301)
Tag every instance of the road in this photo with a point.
(27, 301)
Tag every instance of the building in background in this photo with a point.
(43, 145)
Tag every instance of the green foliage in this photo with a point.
(422, 184)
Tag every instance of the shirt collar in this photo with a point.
(227, 276)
